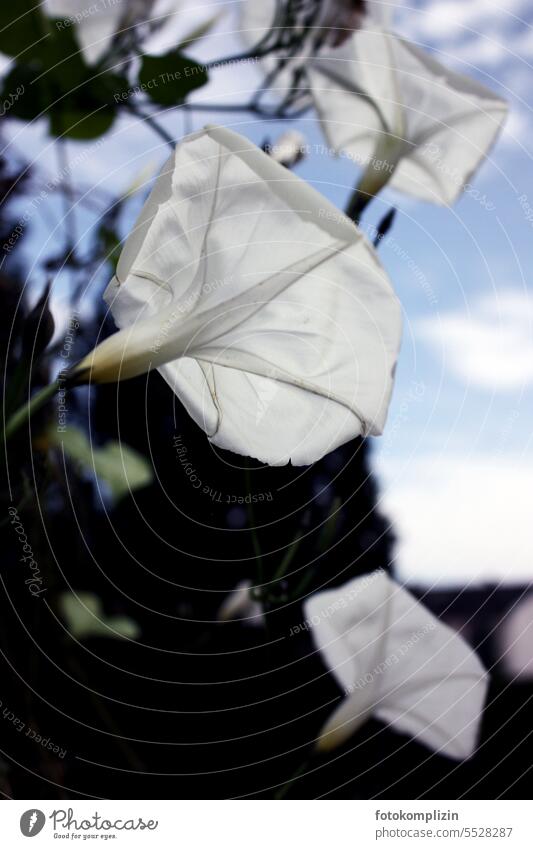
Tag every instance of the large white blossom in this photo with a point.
(391, 107)
(263, 307)
(394, 660)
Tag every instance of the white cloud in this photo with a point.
(492, 41)
(488, 344)
(524, 43)
(450, 20)
(461, 519)
(517, 128)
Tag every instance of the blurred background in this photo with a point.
(164, 700)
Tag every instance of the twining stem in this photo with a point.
(288, 557)
(251, 514)
(24, 413)
(68, 197)
(269, 595)
(282, 792)
(255, 538)
(384, 226)
(154, 125)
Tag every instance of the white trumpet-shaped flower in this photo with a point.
(389, 106)
(238, 275)
(394, 660)
(240, 605)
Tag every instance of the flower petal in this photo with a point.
(264, 308)
(240, 606)
(444, 123)
(394, 659)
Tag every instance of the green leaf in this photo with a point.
(54, 79)
(85, 617)
(28, 103)
(122, 468)
(84, 113)
(81, 124)
(23, 27)
(168, 79)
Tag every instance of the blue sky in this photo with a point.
(455, 462)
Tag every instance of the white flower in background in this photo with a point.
(397, 662)
(289, 149)
(238, 274)
(240, 605)
(98, 22)
(416, 125)
(391, 107)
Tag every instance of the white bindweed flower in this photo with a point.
(289, 149)
(397, 662)
(239, 605)
(391, 107)
(238, 275)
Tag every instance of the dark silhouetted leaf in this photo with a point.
(168, 79)
(54, 80)
(23, 29)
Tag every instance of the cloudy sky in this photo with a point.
(455, 462)
(458, 477)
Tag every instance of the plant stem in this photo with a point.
(377, 174)
(262, 48)
(282, 792)
(153, 124)
(384, 226)
(68, 197)
(24, 413)
(255, 539)
(225, 107)
(356, 205)
(288, 557)
(242, 57)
